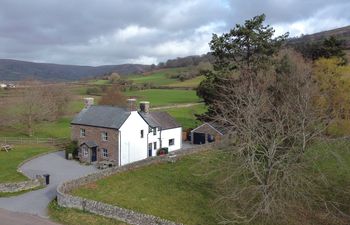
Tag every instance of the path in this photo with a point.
(15, 218)
(176, 106)
(60, 169)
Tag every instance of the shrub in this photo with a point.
(162, 151)
(72, 148)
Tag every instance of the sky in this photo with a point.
(106, 32)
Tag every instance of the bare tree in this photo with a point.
(41, 102)
(272, 120)
(113, 97)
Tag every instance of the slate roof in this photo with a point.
(206, 127)
(160, 119)
(102, 116)
(90, 144)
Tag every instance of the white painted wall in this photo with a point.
(132, 146)
(154, 138)
(176, 134)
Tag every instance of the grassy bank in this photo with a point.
(187, 188)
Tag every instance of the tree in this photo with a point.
(328, 48)
(271, 123)
(40, 102)
(113, 97)
(114, 78)
(247, 48)
(330, 75)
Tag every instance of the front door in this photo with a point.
(150, 150)
(93, 154)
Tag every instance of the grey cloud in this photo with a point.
(92, 32)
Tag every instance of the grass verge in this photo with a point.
(77, 217)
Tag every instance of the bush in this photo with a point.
(162, 151)
(72, 148)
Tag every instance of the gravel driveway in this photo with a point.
(60, 170)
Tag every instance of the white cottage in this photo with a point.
(123, 135)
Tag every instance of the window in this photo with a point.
(154, 145)
(85, 151)
(104, 136)
(82, 132)
(171, 142)
(141, 133)
(154, 131)
(105, 153)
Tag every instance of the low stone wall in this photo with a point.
(64, 199)
(20, 186)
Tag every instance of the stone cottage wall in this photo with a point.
(64, 199)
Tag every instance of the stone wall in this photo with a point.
(64, 199)
(20, 186)
(94, 134)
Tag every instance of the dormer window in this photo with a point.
(104, 136)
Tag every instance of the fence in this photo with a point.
(37, 140)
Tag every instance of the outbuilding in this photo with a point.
(207, 133)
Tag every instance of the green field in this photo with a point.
(187, 116)
(191, 83)
(157, 77)
(9, 161)
(162, 97)
(180, 188)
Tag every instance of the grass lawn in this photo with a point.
(9, 161)
(76, 217)
(181, 191)
(161, 97)
(186, 116)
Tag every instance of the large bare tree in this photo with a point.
(272, 120)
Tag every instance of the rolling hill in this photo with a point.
(19, 70)
(342, 33)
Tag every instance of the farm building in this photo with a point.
(123, 135)
(207, 133)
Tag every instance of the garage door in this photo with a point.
(198, 138)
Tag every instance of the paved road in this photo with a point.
(60, 170)
(15, 218)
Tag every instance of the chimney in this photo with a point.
(144, 107)
(132, 104)
(88, 102)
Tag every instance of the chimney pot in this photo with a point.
(88, 102)
(132, 104)
(144, 106)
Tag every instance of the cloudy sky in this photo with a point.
(100, 32)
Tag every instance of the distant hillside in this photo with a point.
(342, 33)
(19, 70)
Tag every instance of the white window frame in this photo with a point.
(85, 151)
(172, 140)
(105, 153)
(154, 145)
(155, 131)
(104, 136)
(82, 132)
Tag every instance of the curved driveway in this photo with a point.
(60, 169)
